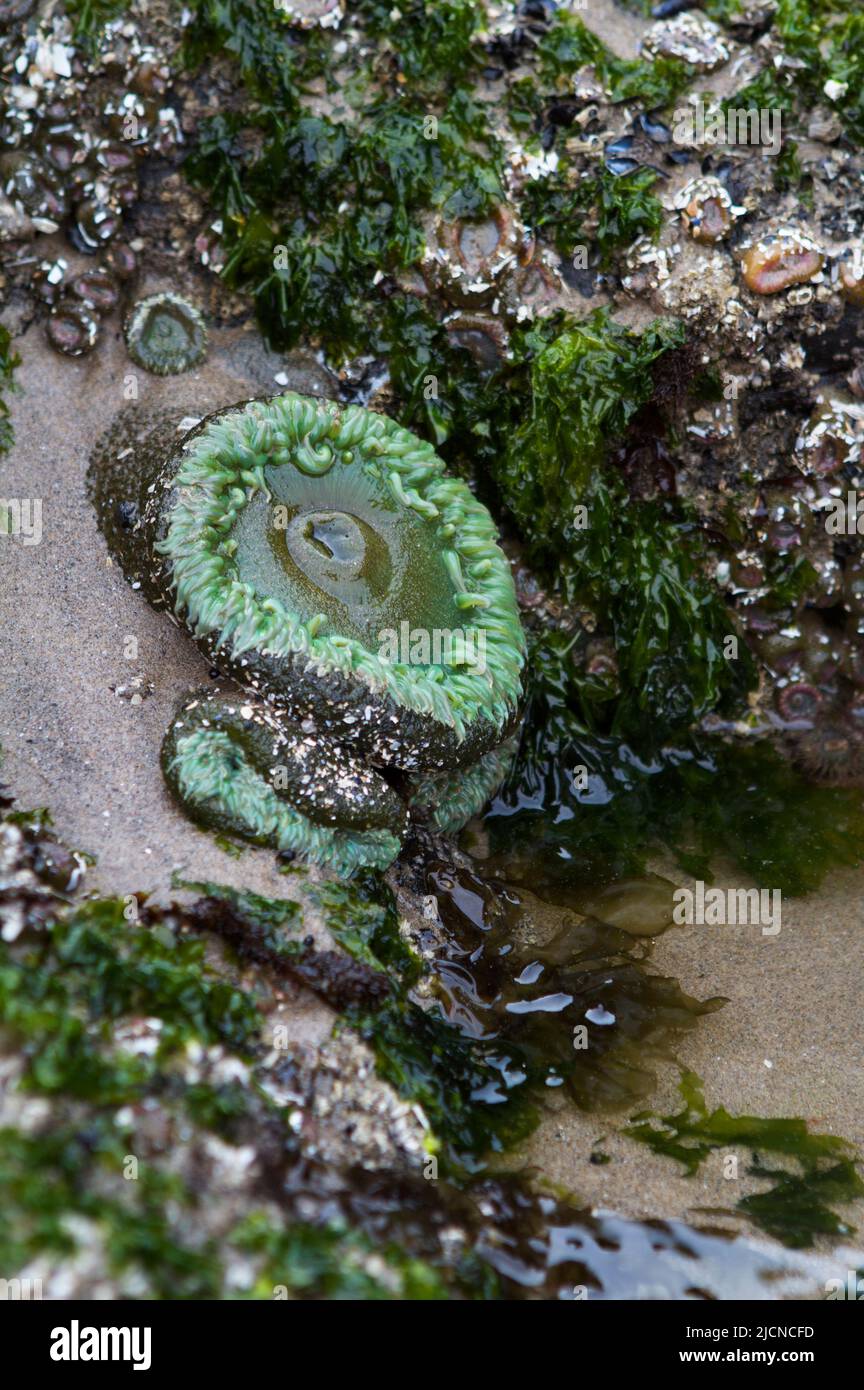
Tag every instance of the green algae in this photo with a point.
(585, 384)
(44, 1183)
(569, 45)
(90, 17)
(329, 1262)
(360, 916)
(825, 38)
(826, 42)
(67, 986)
(479, 1073)
(90, 967)
(573, 385)
(622, 205)
(635, 563)
(314, 1261)
(430, 40)
(273, 916)
(582, 383)
(9, 360)
(61, 994)
(258, 38)
(310, 272)
(423, 1057)
(798, 1205)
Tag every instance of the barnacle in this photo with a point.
(707, 210)
(165, 334)
(467, 259)
(831, 440)
(320, 555)
(692, 38)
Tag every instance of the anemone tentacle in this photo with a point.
(223, 759)
(455, 797)
(209, 493)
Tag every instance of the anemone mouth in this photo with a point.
(298, 528)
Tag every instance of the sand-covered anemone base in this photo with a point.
(240, 773)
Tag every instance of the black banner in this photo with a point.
(82, 1339)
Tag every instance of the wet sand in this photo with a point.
(789, 1042)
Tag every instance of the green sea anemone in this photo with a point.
(238, 770)
(321, 557)
(165, 334)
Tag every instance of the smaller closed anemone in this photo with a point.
(165, 334)
(320, 555)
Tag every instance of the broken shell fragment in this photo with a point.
(692, 39)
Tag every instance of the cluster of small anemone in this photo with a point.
(811, 648)
(773, 260)
(489, 273)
